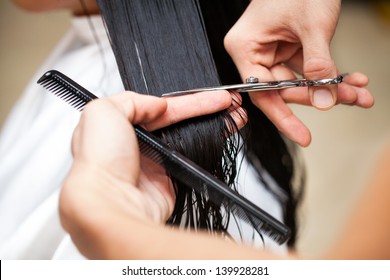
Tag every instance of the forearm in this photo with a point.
(105, 226)
(132, 238)
(366, 235)
(151, 241)
(73, 6)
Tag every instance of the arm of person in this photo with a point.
(74, 6)
(366, 233)
(105, 225)
(277, 39)
(114, 209)
(113, 212)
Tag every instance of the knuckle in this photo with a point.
(231, 41)
(319, 68)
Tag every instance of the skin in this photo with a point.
(48, 5)
(113, 207)
(275, 39)
(289, 37)
(109, 177)
(366, 232)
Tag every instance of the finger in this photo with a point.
(295, 63)
(297, 95)
(158, 189)
(350, 92)
(318, 64)
(191, 105)
(139, 108)
(274, 107)
(237, 113)
(287, 51)
(236, 102)
(240, 118)
(101, 122)
(365, 98)
(356, 79)
(350, 95)
(347, 95)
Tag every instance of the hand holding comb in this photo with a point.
(178, 166)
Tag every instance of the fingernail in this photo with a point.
(322, 98)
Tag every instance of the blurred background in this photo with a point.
(346, 140)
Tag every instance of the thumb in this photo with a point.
(318, 64)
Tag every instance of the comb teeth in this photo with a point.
(147, 148)
(279, 233)
(66, 89)
(178, 166)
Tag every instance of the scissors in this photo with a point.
(253, 84)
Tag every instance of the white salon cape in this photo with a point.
(35, 153)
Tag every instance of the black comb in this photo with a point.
(178, 166)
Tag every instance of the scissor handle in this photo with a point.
(251, 85)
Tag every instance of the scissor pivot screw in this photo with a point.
(252, 80)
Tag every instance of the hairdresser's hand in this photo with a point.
(274, 39)
(106, 180)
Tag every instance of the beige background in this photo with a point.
(345, 139)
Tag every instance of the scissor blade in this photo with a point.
(271, 85)
(237, 87)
